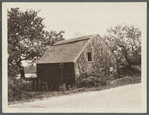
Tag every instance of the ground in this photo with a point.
(120, 97)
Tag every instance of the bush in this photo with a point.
(120, 81)
(16, 88)
(125, 71)
(90, 81)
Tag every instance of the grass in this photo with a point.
(127, 76)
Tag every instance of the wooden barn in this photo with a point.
(67, 60)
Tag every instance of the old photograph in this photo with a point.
(74, 57)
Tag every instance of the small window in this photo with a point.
(89, 56)
(61, 65)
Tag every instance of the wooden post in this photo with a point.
(62, 83)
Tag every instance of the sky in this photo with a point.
(78, 19)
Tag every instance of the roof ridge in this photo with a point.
(70, 42)
(81, 38)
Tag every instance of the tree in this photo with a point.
(125, 41)
(27, 39)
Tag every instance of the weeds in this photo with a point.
(128, 76)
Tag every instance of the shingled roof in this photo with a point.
(65, 50)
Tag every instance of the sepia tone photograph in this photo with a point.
(74, 57)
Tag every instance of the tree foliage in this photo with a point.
(125, 42)
(27, 39)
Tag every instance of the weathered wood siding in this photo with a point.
(102, 59)
(54, 75)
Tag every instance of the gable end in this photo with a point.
(85, 47)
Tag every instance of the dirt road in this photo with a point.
(121, 97)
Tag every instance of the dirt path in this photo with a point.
(122, 97)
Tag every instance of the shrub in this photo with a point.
(120, 81)
(16, 88)
(125, 71)
(90, 81)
